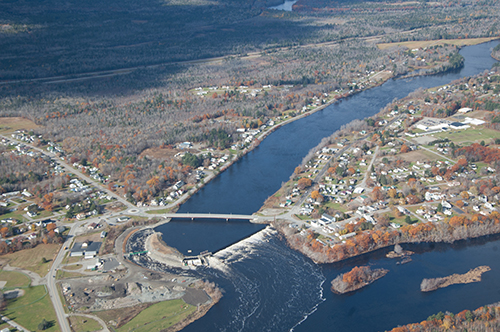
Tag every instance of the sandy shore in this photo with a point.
(161, 252)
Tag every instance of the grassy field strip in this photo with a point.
(170, 312)
(30, 309)
(14, 279)
(27, 304)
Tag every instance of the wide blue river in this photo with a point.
(269, 287)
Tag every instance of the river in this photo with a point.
(286, 6)
(269, 287)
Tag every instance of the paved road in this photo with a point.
(51, 280)
(206, 216)
(368, 171)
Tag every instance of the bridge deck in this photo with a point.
(208, 216)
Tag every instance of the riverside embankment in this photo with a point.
(268, 286)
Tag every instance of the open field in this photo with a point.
(469, 136)
(84, 324)
(11, 124)
(14, 279)
(159, 153)
(418, 155)
(427, 43)
(159, 316)
(337, 206)
(169, 210)
(60, 274)
(73, 267)
(30, 309)
(19, 215)
(31, 259)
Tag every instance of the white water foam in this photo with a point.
(242, 249)
(322, 299)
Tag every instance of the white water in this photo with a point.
(257, 267)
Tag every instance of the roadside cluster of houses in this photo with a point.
(93, 171)
(326, 223)
(77, 186)
(54, 148)
(22, 135)
(314, 103)
(243, 89)
(214, 163)
(28, 231)
(19, 148)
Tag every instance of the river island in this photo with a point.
(355, 279)
(474, 275)
(88, 178)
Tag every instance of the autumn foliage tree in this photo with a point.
(304, 183)
(405, 148)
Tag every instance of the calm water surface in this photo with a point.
(269, 287)
(287, 6)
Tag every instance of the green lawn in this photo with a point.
(159, 316)
(14, 279)
(19, 200)
(469, 136)
(169, 210)
(73, 267)
(60, 274)
(15, 215)
(84, 324)
(432, 156)
(30, 309)
(44, 214)
(336, 206)
(302, 217)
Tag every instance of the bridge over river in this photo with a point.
(226, 216)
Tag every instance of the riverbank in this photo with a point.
(431, 233)
(161, 252)
(239, 277)
(364, 84)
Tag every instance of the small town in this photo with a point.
(425, 164)
(80, 244)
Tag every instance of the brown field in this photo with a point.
(95, 236)
(159, 153)
(419, 155)
(31, 259)
(381, 76)
(122, 315)
(478, 114)
(11, 124)
(427, 43)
